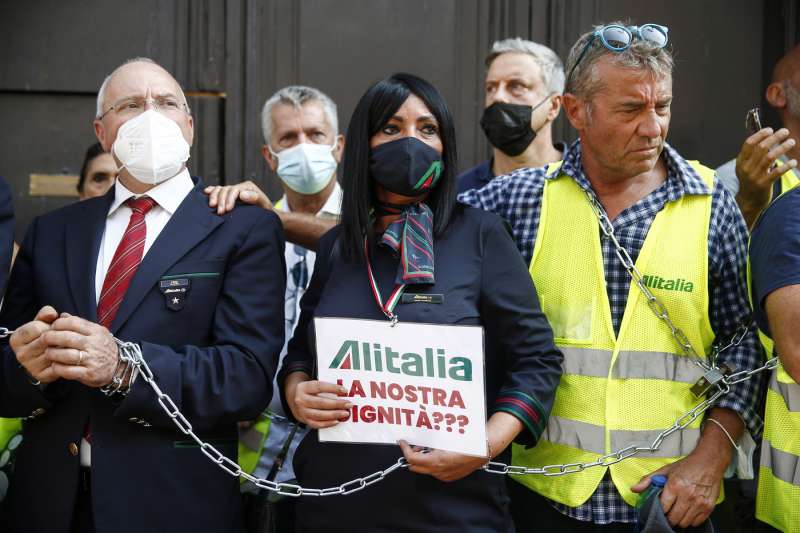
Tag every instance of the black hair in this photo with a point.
(93, 151)
(372, 113)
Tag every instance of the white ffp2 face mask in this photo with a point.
(151, 146)
(307, 167)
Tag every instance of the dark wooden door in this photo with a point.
(230, 56)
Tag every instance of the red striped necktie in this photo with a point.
(126, 260)
(122, 268)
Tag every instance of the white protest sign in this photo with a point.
(423, 383)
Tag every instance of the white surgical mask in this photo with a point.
(151, 146)
(742, 461)
(307, 167)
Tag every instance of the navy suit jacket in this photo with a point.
(216, 358)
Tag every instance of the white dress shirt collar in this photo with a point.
(168, 194)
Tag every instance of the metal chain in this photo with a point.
(289, 489)
(492, 467)
(230, 466)
(722, 388)
(723, 385)
(744, 375)
(614, 457)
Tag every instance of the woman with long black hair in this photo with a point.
(399, 173)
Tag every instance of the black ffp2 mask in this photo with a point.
(407, 166)
(508, 126)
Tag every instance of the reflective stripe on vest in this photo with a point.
(784, 466)
(630, 365)
(778, 497)
(592, 438)
(618, 390)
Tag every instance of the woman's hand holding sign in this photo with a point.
(311, 401)
(450, 466)
(441, 464)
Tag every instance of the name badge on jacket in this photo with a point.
(416, 298)
(175, 292)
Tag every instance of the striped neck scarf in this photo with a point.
(411, 237)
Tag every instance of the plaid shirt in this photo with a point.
(518, 198)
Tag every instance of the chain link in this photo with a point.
(5, 332)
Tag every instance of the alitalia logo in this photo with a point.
(657, 282)
(364, 355)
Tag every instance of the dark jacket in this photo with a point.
(484, 281)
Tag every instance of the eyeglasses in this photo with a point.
(618, 38)
(130, 107)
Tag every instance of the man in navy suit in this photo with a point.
(148, 263)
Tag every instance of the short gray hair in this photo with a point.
(296, 96)
(101, 94)
(550, 64)
(641, 55)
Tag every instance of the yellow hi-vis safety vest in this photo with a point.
(251, 444)
(618, 390)
(788, 181)
(778, 496)
(8, 428)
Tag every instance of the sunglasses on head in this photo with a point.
(618, 38)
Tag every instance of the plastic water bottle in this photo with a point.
(656, 486)
(657, 483)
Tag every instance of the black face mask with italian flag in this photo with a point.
(407, 166)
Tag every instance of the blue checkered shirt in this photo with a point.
(517, 197)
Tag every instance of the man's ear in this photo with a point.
(191, 130)
(575, 109)
(338, 149)
(776, 95)
(272, 161)
(100, 133)
(555, 107)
